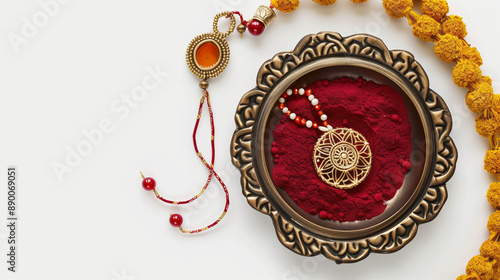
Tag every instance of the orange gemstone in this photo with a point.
(207, 55)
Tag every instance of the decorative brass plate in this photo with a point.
(327, 56)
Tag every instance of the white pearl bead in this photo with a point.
(289, 92)
(285, 110)
(309, 124)
(292, 116)
(311, 97)
(323, 117)
(314, 102)
(302, 91)
(281, 100)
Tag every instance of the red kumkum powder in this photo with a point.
(374, 110)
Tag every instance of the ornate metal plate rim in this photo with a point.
(303, 240)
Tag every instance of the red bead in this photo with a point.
(317, 108)
(320, 113)
(295, 91)
(303, 122)
(282, 106)
(297, 120)
(149, 184)
(309, 92)
(323, 214)
(325, 123)
(255, 27)
(284, 95)
(289, 112)
(175, 220)
(315, 125)
(406, 165)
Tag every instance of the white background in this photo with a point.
(98, 222)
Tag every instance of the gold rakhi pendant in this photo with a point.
(342, 158)
(208, 54)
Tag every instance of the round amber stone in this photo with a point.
(207, 55)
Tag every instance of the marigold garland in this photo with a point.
(490, 249)
(455, 26)
(473, 55)
(325, 2)
(448, 33)
(436, 9)
(479, 99)
(285, 5)
(493, 195)
(494, 223)
(426, 29)
(397, 8)
(491, 162)
(480, 267)
(449, 48)
(466, 72)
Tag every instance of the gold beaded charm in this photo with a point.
(208, 54)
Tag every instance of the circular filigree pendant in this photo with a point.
(342, 158)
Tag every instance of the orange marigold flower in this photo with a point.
(490, 249)
(481, 266)
(494, 223)
(496, 268)
(493, 196)
(454, 25)
(285, 5)
(466, 72)
(492, 162)
(472, 54)
(325, 2)
(397, 8)
(426, 28)
(436, 9)
(487, 79)
(481, 98)
(487, 127)
(449, 48)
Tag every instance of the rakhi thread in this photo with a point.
(150, 184)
